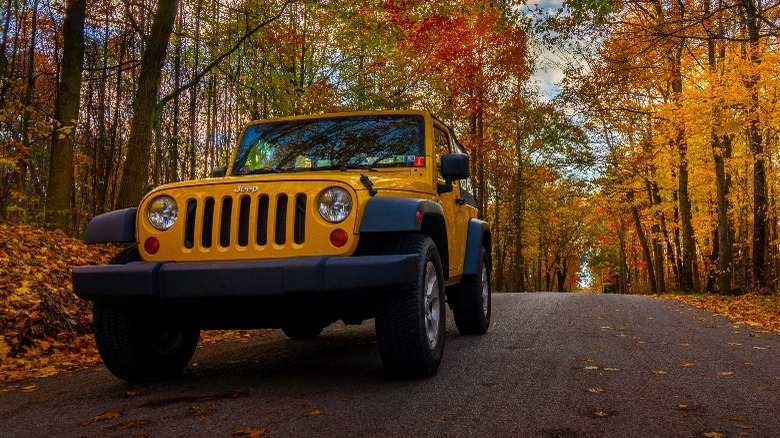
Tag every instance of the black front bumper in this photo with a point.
(299, 276)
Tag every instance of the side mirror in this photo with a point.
(219, 172)
(455, 166)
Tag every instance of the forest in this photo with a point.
(653, 168)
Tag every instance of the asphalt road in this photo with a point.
(552, 365)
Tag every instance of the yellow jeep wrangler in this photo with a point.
(347, 216)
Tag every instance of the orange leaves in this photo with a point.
(102, 417)
(249, 432)
(755, 310)
(44, 325)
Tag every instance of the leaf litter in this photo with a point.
(44, 328)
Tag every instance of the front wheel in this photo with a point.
(138, 348)
(410, 325)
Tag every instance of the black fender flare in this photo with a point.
(408, 215)
(478, 236)
(116, 226)
(392, 214)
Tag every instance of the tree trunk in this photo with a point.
(655, 244)
(712, 265)
(755, 140)
(622, 265)
(688, 245)
(66, 113)
(643, 242)
(27, 103)
(135, 172)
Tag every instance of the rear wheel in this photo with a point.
(303, 331)
(410, 325)
(472, 308)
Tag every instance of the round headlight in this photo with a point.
(162, 212)
(335, 204)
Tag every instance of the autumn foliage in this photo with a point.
(44, 327)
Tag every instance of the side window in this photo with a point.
(442, 144)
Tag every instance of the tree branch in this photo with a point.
(196, 79)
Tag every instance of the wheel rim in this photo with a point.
(432, 305)
(168, 341)
(485, 290)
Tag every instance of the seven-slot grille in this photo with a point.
(244, 220)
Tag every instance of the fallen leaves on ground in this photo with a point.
(249, 432)
(102, 417)
(45, 329)
(753, 309)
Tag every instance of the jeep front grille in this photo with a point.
(239, 220)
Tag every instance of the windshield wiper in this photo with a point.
(345, 167)
(264, 170)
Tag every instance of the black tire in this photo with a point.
(133, 344)
(472, 305)
(125, 256)
(409, 345)
(302, 331)
(136, 347)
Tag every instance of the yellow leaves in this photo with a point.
(595, 390)
(249, 432)
(753, 310)
(660, 372)
(4, 349)
(102, 417)
(43, 321)
(713, 435)
(200, 411)
(314, 413)
(688, 365)
(600, 414)
(23, 290)
(725, 373)
(106, 416)
(29, 388)
(129, 424)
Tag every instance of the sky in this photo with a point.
(547, 71)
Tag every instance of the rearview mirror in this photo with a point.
(219, 172)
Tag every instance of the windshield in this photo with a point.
(361, 142)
